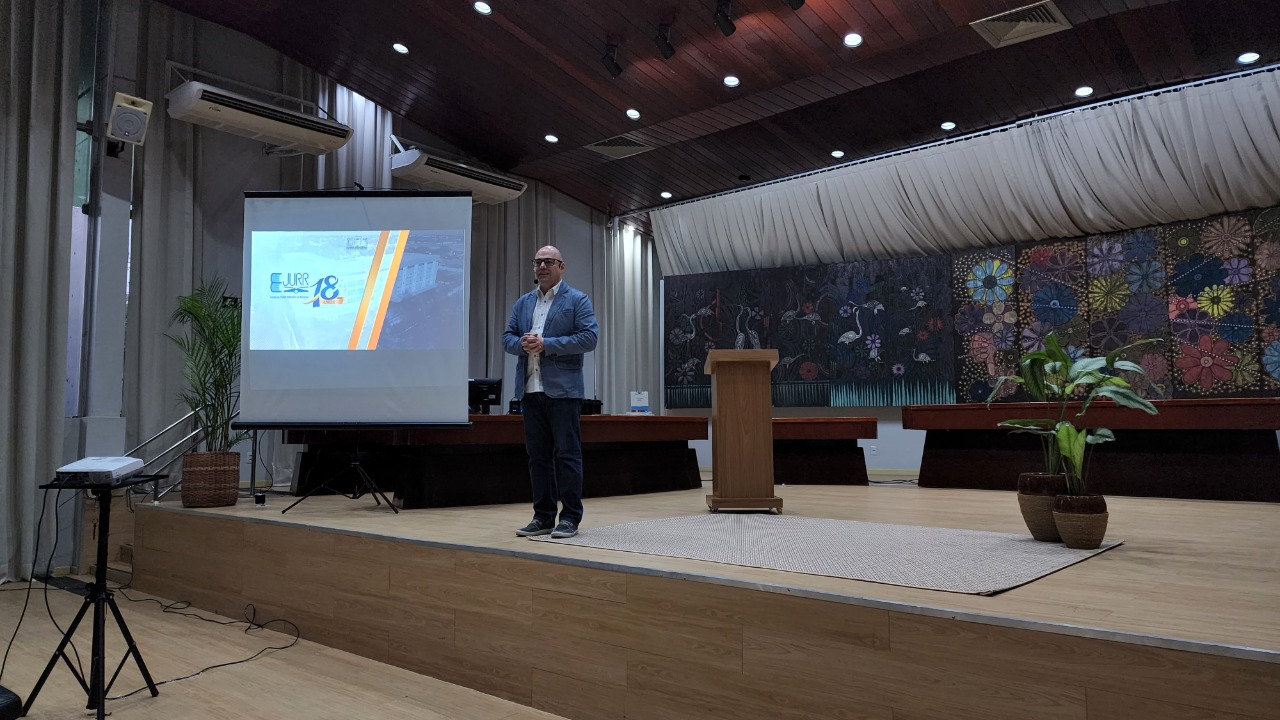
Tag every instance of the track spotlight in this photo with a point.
(724, 17)
(663, 41)
(610, 60)
(795, 4)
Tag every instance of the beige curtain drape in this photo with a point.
(188, 204)
(163, 238)
(503, 239)
(629, 303)
(38, 81)
(1154, 159)
(366, 158)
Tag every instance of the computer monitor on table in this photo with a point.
(482, 394)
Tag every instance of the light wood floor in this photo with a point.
(1199, 571)
(304, 682)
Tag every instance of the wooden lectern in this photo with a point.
(741, 430)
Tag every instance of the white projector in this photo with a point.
(100, 469)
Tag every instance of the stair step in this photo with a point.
(117, 573)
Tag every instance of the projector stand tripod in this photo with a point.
(366, 483)
(100, 598)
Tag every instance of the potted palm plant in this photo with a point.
(210, 343)
(1056, 504)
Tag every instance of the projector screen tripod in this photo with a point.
(100, 598)
(364, 483)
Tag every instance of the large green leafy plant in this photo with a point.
(210, 343)
(1052, 377)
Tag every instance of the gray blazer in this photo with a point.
(569, 331)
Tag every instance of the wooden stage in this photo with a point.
(1182, 621)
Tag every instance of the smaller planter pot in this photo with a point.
(1081, 520)
(1036, 492)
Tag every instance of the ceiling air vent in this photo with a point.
(1025, 23)
(619, 147)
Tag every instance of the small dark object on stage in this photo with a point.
(10, 704)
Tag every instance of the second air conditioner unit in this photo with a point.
(429, 171)
(202, 104)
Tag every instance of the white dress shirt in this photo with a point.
(533, 367)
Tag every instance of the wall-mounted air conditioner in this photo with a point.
(437, 173)
(196, 102)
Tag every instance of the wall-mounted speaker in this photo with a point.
(129, 117)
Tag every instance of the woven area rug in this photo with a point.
(961, 561)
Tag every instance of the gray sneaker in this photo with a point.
(534, 528)
(565, 529)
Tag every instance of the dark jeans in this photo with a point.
(553, 438)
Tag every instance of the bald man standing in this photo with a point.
(550, 329)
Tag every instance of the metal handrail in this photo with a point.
(153, 438)
(194, 438)
(187, 443)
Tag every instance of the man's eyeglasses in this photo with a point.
(546, 261)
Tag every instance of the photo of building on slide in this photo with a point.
(427, 308)
(357, 290)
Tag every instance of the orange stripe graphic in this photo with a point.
(368, 289)
(386, 290)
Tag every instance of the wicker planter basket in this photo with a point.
(1037, 513)
(1081, 520)
(210, 479)
(1036, 492)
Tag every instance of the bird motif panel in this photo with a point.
(942, 329)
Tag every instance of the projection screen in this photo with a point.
(355, 308)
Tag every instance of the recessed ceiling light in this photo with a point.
(400, 48)
(1084, 91)
(837, 154)
(948, 125)
(852, 40)
(551, 139)
(482, 8)
(634, 114)
(731, 81)
(665, 195)
(1248, 58)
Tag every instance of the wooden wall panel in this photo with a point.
(1105, 705)
(490, 674)
(659, 688)
(541, 576)
(854, 625)
(1193, 679)
(572, 698)
(592, 644)
(643, 628)
(886, 677)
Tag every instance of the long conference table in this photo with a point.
(485, 463)
(1205, 449)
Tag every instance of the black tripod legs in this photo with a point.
(99, 599)
(61, 652)
(368, 485)
(133, 650)
(364, 485)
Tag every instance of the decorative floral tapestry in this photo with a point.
(943, 328)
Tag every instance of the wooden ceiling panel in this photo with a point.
(495, 85)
